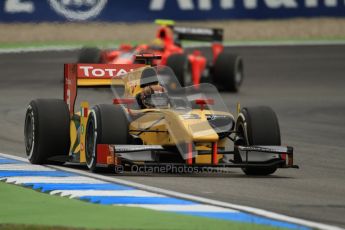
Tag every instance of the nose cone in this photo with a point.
(222, 124)
(201, 131)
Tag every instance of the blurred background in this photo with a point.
(66, 22)
(302, 80)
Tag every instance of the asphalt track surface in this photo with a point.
(305, 85)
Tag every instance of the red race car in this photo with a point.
(224, 69)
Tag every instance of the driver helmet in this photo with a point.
(154, 96)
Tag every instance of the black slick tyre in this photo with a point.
(46, 130)
(258, 126)
(107, 124)
(180, 64)
(228, 72)
(89, 55)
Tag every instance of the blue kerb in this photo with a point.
(248, 218)
(46, 187)
(8, 173)
(135, 200)
(10, 161)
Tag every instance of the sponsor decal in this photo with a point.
(269, 149)
(105, 10)
(90, 71)
(18, 6)
(189, 116)
(104, 70)
(207, 5)
(78, 10)
(68, 99)
(130, 148)
(82, 129)
(196, 31)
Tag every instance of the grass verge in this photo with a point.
(23, 208)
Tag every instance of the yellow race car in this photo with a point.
(152, 122)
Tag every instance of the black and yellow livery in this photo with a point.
(188, 126)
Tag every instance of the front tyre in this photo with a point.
(258, 126)
(46, 130)
(107, 124)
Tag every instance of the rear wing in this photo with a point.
(198, 34)
(92, 75)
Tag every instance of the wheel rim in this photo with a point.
(90, 144)
(29, 132)
(187, 75)
(241, 129)
(239, 73)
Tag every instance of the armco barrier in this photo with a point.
(147, 10)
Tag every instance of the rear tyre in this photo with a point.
(180, 64)
(46, 130)
(258, 126)
(107, 124)
(89, 55)
(228, 72)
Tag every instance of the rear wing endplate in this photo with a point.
(92, 75)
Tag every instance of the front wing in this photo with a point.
(146, 154)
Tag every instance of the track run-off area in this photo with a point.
(305, 85)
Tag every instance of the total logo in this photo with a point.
(105, 70)
(78, 9)
(91, 71)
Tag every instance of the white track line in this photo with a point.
(272, 44)
(38, 49)
(24, 167)
(79, 193)
(227, 44)
(51, 180)
(183, 208)
(255, 211)
(13, 157)
(247, 209)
